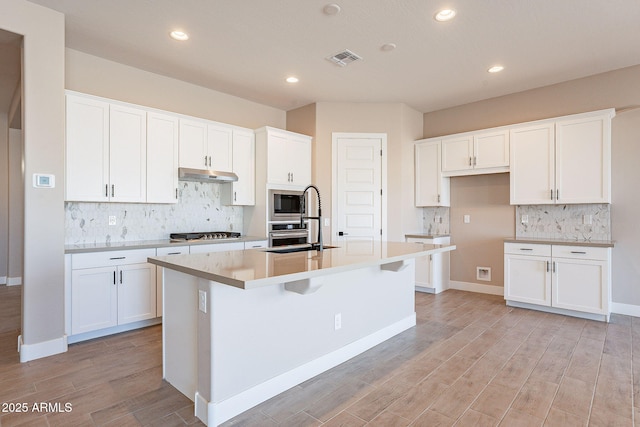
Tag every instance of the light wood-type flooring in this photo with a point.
(470, 361)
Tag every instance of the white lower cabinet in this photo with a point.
(111, 288)
(571, 279)
(256, 244)
(432, 271)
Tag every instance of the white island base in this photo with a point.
(252, 344)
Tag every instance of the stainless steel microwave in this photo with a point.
(284, 205)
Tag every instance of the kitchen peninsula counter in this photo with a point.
(240, 327)
(255, 268)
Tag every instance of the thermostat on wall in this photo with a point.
(41, 180)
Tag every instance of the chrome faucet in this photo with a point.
(318, 245)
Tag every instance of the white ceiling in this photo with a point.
(248, 47)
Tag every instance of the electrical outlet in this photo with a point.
(338, 321)
(202, 301)
(438, 220)
(524, 219)
(466, 219)
(112, 220)
(327, 222)
(587, 219)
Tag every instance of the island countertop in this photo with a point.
(254, 268)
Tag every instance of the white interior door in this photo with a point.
(358, 187)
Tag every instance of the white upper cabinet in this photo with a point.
(219, 147)
(105, 151)
(87, 149)
(532, 176)
(476, 153)
(204, 145)
(243, 191)
(583, 160)
(432, 189)
(288, 157)
(567, 160)
(127, 154)
(162, 158)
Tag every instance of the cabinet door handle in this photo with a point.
(113, 190)
(205, 161)
(209, 161)
(469, 160)
(235, 196)
(174, 253)
(547, 263)
(475, 160)
(121, 277)
(578, 252)
(438, 198)
(551, 194)
(554, 266)
(114, 277)
(526, 249)
(106, 190)
(291, 176)
(117, 257)
(557, 194)
(176, 194)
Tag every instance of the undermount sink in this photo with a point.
(296, 248)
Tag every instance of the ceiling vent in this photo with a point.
(344, 58)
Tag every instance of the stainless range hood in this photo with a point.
(204, 175)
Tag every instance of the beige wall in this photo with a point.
(402, 125)
(4, 197)
(16, 208)
(619, 89)
(485, 198)
(97, 76)
(43, 112)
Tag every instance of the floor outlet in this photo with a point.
(338, 321)
(202, 301)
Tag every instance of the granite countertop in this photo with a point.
(564, 242)
(145, 244)
(256, 268)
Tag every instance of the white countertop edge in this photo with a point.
(146, 244)
(165, 262)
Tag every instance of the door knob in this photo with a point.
(342, 233)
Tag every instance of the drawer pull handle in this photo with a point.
(174, 253)
(121, 277)
(118, 257)
(578, 252)
(526, 249)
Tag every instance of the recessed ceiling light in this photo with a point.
(388, 47)
(445, 15)
(331, 9)
(292, 79)
(496, 69)
(179, 35)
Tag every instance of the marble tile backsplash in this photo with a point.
(435, 220)
(199, 208)
(565, 222)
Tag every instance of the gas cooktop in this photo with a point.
(208, 235)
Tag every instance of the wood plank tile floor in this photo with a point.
(470, 361)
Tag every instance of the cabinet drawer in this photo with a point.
(173, 250)
(430, 241)
(527, 249)
(110, 258)
(580, 252)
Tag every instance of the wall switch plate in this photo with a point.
(438, 220)
(327, 222)
(466, 219)
(112, 220)
(524, 219)
(338, 321)
(202, 301)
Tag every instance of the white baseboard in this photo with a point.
(41, 349)
(626, 309)
(3, 280)
(215, 413)
(476, 287)
(14, 281)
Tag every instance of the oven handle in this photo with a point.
(289, 234)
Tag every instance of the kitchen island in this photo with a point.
(243, 326)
